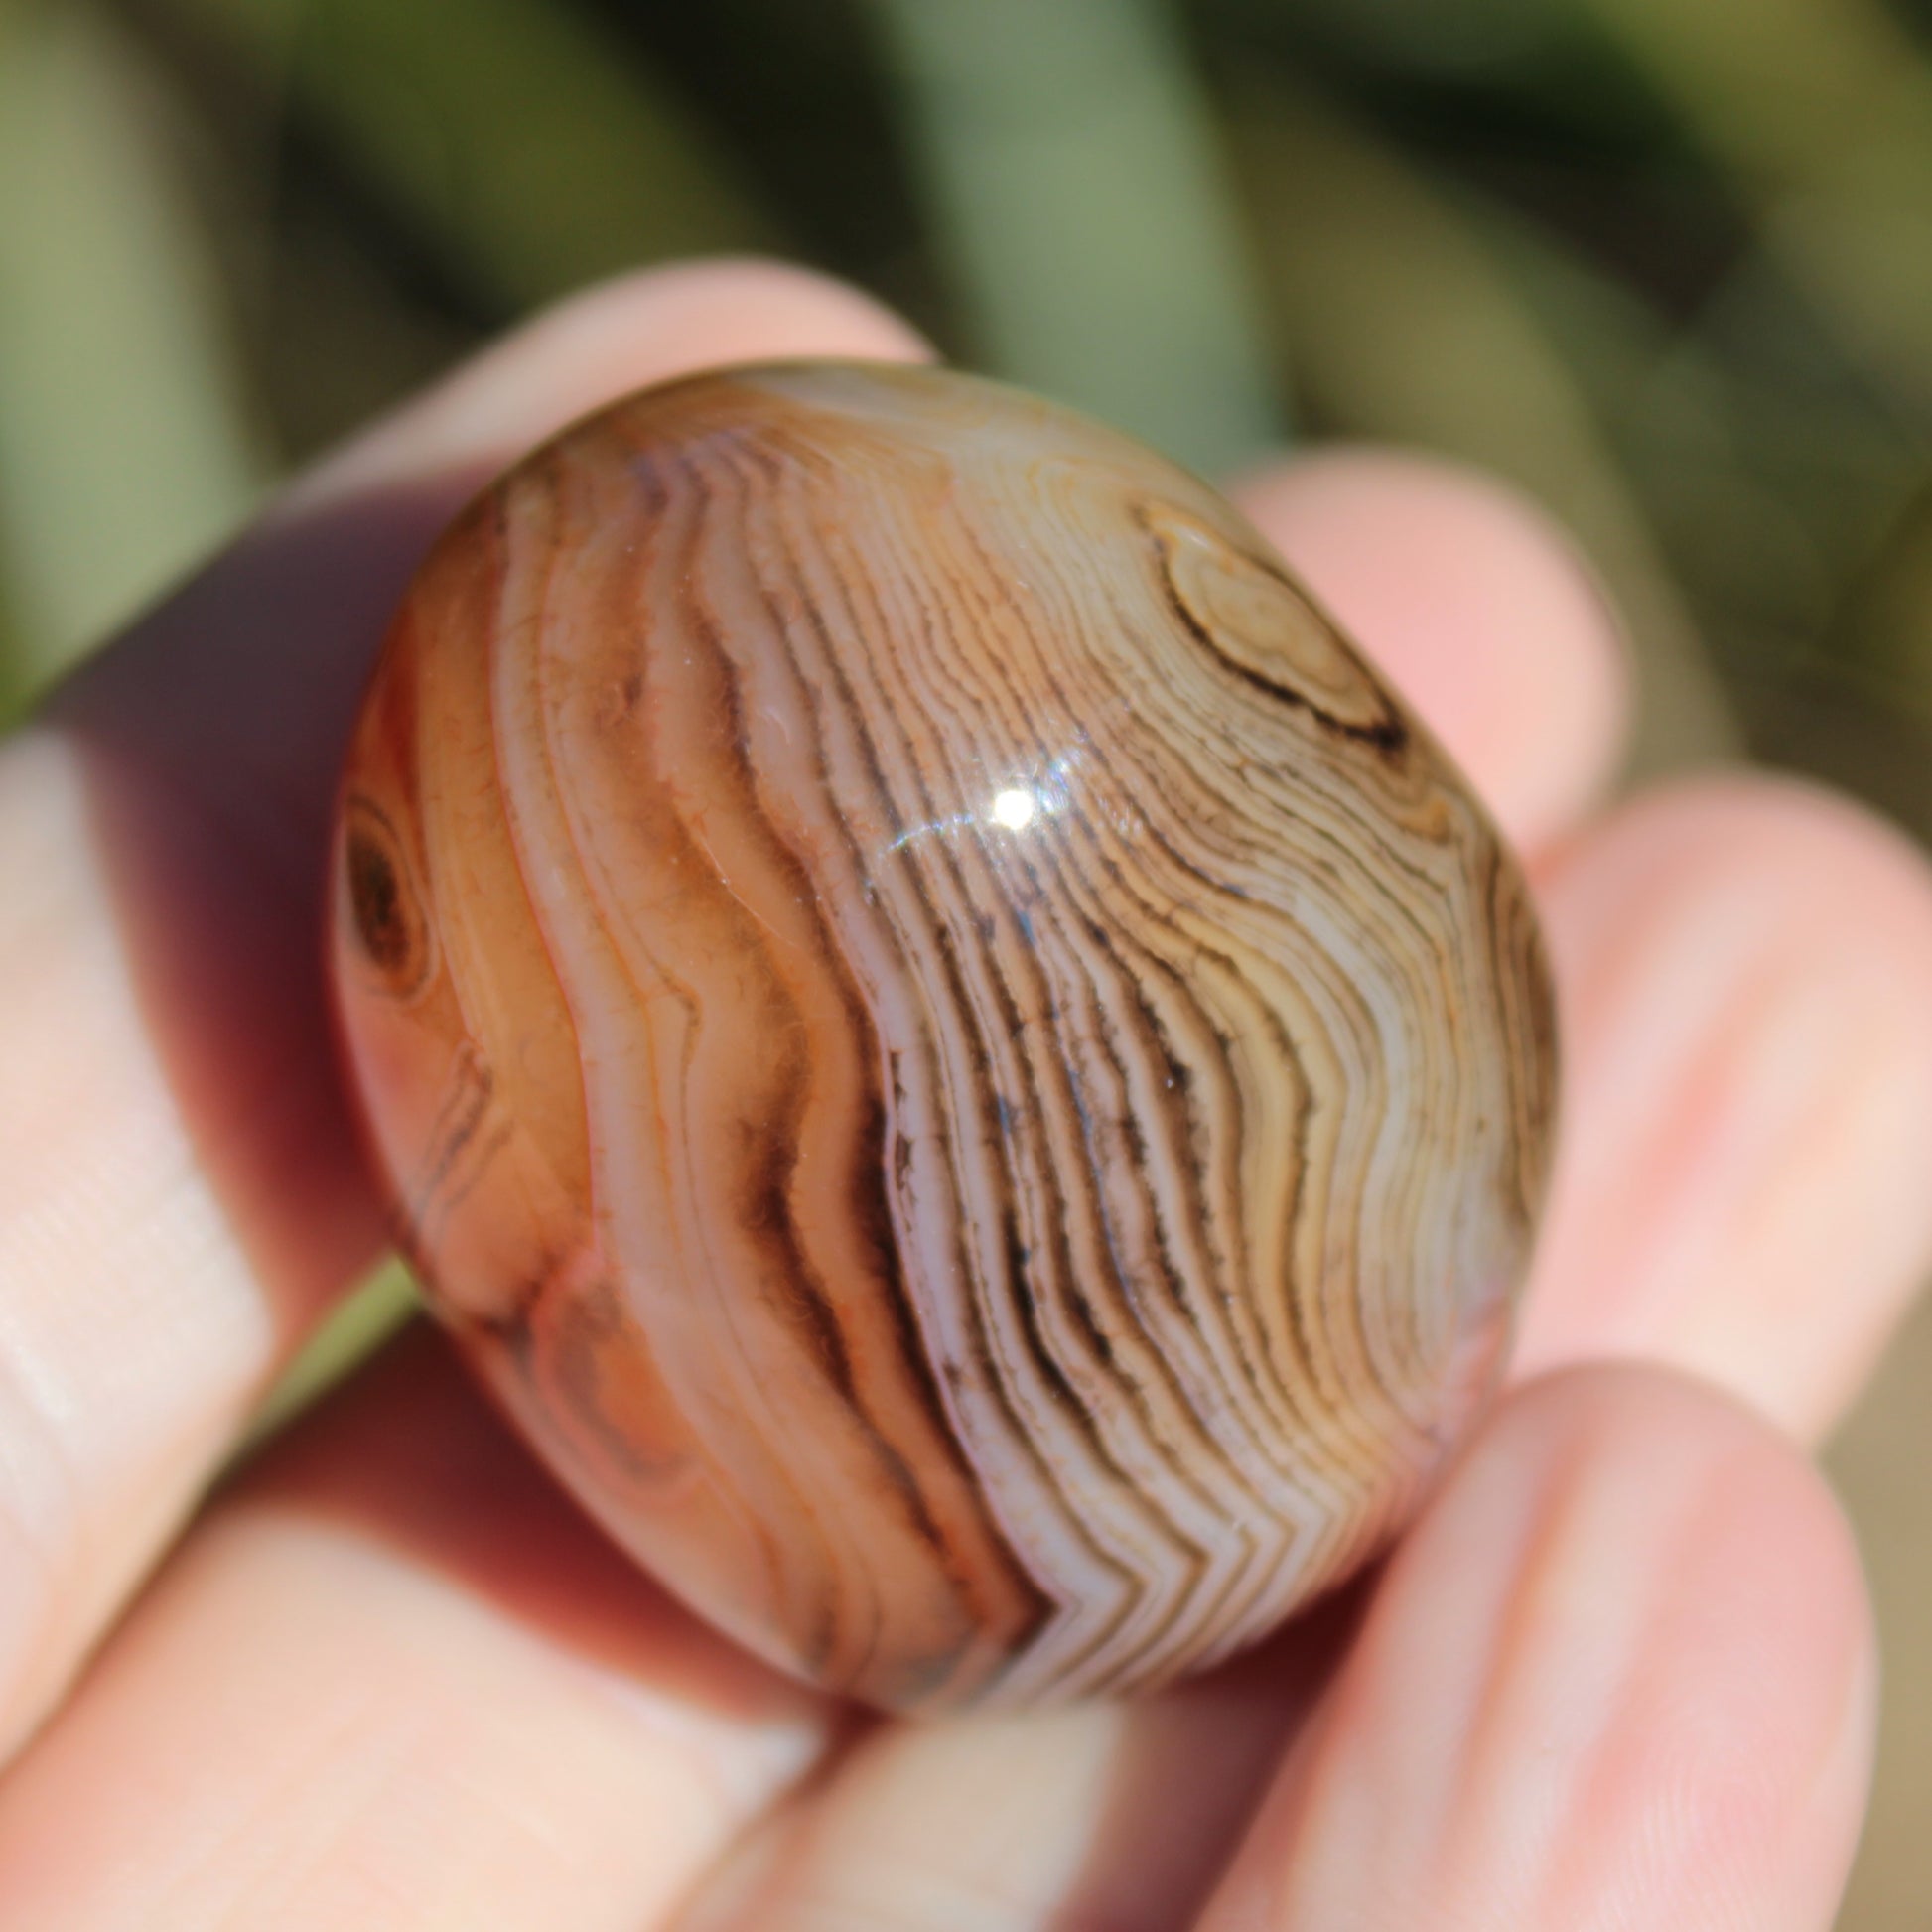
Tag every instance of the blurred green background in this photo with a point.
(1667, 263)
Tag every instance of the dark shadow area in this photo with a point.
(210, 737)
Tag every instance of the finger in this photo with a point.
(179, 1189)
(391, 1683)
(1118, 1815)
(1477, 607)
(1621, 1676)
(1741, 1184)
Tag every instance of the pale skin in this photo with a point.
(1620, 1673)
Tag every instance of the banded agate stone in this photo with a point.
(962, 1067)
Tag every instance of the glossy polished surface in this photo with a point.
(971, 1077)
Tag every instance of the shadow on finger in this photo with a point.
(393, 1678)
(1119, 1814)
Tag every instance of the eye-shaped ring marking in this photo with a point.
(391, 930)
(1266, 630)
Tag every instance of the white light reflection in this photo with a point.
(1024, 803)
(1015, 809)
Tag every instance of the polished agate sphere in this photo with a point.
(963, 1067)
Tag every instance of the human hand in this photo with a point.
(1619, 1674)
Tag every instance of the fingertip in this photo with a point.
(637, 328)
(1612, 1524)
(1620, 1672)
(1477, 605)
(1633, 1458)
(656, 322)
(1747, 971)
(1702, 1641)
